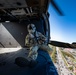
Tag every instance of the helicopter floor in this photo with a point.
(8, 66)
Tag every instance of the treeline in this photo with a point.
(68, 54)
(54, 55)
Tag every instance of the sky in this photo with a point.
(63, 28)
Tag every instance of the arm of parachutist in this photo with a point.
(42, 36)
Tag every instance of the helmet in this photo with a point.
(31, 28)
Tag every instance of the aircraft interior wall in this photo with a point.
(12, 34)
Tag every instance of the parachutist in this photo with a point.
(35, 40)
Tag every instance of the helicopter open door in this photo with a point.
(15, 15)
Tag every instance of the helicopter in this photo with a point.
(21, 11)
(15, 15)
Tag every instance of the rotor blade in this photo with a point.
(56, 7)
(62, 44)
